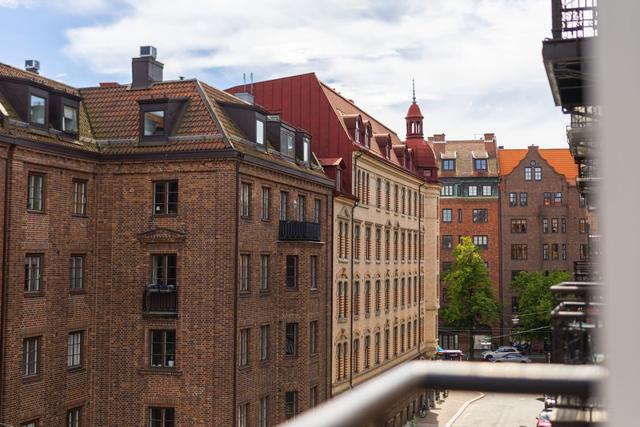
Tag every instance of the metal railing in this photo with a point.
(366, 404)
(160, 300)
(299, 231)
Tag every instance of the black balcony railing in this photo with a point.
(299, 231)
(574, 19)
(160, 299)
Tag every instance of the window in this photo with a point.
(356, 298)
(74, 417)
(387, 295)
(448, 165)
(514, 304)
(519, 251)
(243, 358)
(30, 357)
(77, 272)
(74, 350)
(313, 271)
(306, 149)
(564, 225)
(446, 190)
(555, 251)
(69, 119)
(557, 199)
(245, 200)
(367, 297)
(367, 349)
(527, 173)
(545, 251)
(79, 197)
(395, 246)
(313, 337)
(386, 344)
(367, 243)
(545, 225)
(356, 355)
(582, 226)
(487, 190)
(243, 409)
(387, 245)
(292, 271)
(554, 225)
(264, 272)
(356, 241)
(472, 190)
(33, 423)
(165, 198)
(459, 215)
(378, 296)
(260, 132)
(291, 339)
(317, 205)
(480, 164)
(264, 342)
(403, 196)
(481, 241)
(162, 417)
(301, 208)
(537, 173)
(376, 348)
(547, 199)
(284, 204)
(244, 272)
(378, 243)
(582, 201)
(263, 414)
(523, 199)
(395, 293)
(387, 194)
(163, 348)
(37, 110)
(513, 199)
(447, 241)
(448, 341)
(447, 267)
(32, 273)
(313, 396)
(290, 404)
(154, 123)
(35, 200)
(584, 252)
(480, 215)
(395, 198)
(518, 225)
(378, 193)
(447, 215)
(287, 142)
(564, 252)
(356, 133)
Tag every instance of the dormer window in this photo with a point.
(154, 123)
(260, 132)
(287, 141)
(37, 110)
(306, 149)
(388, 151)
(366, 137)
(70, 119)
(357, 132)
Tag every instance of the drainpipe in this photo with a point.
(420, 249)
(5, 272)
(353, 208)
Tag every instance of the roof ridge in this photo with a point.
(28, 74)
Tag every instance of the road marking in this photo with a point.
(462, 409)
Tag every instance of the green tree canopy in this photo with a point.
(536, 301)
(471, 302)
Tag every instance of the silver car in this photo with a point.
(501, 351)
(512, 358)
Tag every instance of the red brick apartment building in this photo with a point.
(544, 217)
(385, 230)
(469, 206)
(166, 256)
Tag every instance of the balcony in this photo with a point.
(160, 300)
(366, 404)
(299, 231)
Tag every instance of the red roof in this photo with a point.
(414, 112)
(559, 159)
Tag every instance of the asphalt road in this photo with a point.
(501, 410)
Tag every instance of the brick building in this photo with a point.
(166, 256)
(385, 230)
(544, 218)
(469, 206)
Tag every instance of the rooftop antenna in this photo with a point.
(251, 77)
(413, 82)
(244, 82)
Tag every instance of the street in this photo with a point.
(501, 410)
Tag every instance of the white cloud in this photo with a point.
(477, 63)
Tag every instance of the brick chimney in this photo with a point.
(489, 136)
(438, 137)
(145, 69)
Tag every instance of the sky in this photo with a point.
(477, 64)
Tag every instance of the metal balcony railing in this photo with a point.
(160, 299)
(366, 404)
(574, 19)
(299, 231)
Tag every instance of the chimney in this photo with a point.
(489, 136)
(32, 65)
(439, 137)
(245, 96)
(145, 69)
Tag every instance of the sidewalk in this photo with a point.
(442, 413)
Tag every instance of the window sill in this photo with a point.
(160, 371)
(80, 291)
(244, 294)
(77, 215)
(289, 289)
(164, 215)
(243, 368)
(314, 291)
(265, 220)
(342, 320)
(265, 292)
(75, 369)
(31, 379)
(33, 211)
(28, 294)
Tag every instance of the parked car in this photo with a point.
(449, 355)
(512, 358)
(501, 351)
(544, 419)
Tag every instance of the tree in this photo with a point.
(471, 302)
(536, 301)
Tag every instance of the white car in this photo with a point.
(500, 352)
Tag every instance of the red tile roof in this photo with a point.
(9, 71)
(559, 159)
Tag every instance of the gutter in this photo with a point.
(353, 208)
(420, 275)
